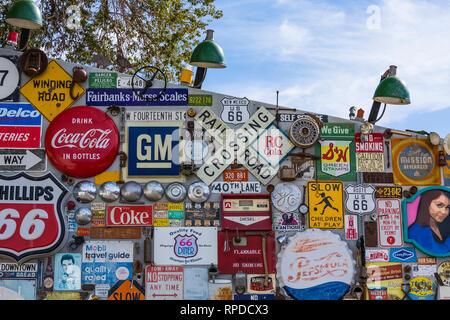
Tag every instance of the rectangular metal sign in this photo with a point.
(23, 160)
(326, 204)
(130, 215)
(164, 283)
(129, 98)
(369, 153)
(389, 222)
(246, 212)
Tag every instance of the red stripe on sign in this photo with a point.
(20, 137)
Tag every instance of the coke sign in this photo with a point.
(31, 222)
(129, 216)
(82, 142)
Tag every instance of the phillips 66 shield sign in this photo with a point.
(31, 222)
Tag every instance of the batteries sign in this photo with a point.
(326, 205)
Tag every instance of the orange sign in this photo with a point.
(235, 175)
(123, 290)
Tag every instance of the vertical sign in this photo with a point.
(369, 153)
(351, 227)
(389, 223)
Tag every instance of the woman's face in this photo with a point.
(439, 208)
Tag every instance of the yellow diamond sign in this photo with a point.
(49, 92)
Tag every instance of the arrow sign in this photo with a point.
(22, 160)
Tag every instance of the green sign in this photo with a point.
(200, 100)
(102, 80)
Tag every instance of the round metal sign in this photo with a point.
(9, 78)
(82, 142)
(286, 197)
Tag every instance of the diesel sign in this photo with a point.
(129, 216)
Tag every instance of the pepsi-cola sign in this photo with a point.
(31, 222)
(82, 142)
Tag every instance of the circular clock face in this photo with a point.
(304, 132)
(303, 209)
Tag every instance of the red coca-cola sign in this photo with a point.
(129, 216)
(82, 142)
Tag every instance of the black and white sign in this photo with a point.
(9, 79)
(236, 187)
(22, 160)
(360, 199)
(235, 110)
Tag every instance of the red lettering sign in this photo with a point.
(129, 216)
(82, 142)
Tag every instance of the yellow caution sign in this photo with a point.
(326, 204)
(50, 92)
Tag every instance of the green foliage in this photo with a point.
(162, 33)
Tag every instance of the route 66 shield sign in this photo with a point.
(31, 221)
(360, 199)
(235, 110)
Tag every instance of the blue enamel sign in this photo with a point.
(128, 97)
(402, 255)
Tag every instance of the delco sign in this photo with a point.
(31, 222)
(19, 114)
(129, 216)
(82, 142)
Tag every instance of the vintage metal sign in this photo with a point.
(444, 272)
(254, 253)
(235, 110)
(377, 255)
(415, 162)
(18, 271)
(315, 265)
(386, 275)
(388, 192)
(378, 177)
(256, 284)
(292, 117)
(337, 152)
(422, 288)
(287, 221)
(82, 142)
(154, 115)
(369, 153)
(67, 272)
(447, 170)
(130, 98)
(139, 216)
(286, 197)
(326, 204)
(185, 245)
(23, 160)
(246, 212)
(9, 78)
(198, 100)
(235, 175)
(107, 261)
(164, 283)
(20, 126)
(359, 199)
(98, 214)
(389, 223)
(102, 80)
(126, 290)
(49, 92)
(246, 187)
(402, 255)
(30, 211)
(351, 227)
(195, 282)
(114, 232)
(205, 214)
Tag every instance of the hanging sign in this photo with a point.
(32, 221)
(127, 97)
(337, 152)
(9, 78)
(326, 205)
(315, 265)
(20, 126)
(360, 199)
(389, 192)
(246, 212)
(49, 92)
(235, 110)
(389, 223)
(415, 162)
(369, 153)
(126, 290)
(22, 160)
(139, 216)
(351, 227)
(164, 283)
(82, 142)
(185, 245)
(429, 204)
(422, 288)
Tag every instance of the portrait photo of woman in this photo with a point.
(430, 229)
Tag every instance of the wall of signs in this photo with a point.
(108, 192)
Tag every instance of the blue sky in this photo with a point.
(326, 56)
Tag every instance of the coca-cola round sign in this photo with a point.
(82, 141)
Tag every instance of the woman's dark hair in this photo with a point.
(423, 212)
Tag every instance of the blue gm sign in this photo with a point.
(402, 255)
(153, 151)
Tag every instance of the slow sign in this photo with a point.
(326, 208)
(126, 290)
(82, 142)
(129, 216)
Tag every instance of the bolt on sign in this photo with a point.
(360, 199)
(378, 255)
(206, 214)
(337, 152)
(164, 283)
(138, 216)
(369, 153)
(389, 192)
(200, 100)
(49, 92)
(326, 204)
(385, 275)
(235, 110)
(389, 223)
(414, 162)
(23, 160)
(235, 146)
(30, 215)
(422, 288)
(351, 227)
(105, 97)
(185, 245)
(20, 126)
(9, 78)
(102, 80)
(126, 290)
(447, 171)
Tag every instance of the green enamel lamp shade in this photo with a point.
(392, 91)
(24, 14)
(208, 54)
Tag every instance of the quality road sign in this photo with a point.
(164, 283)
(49, 92)
(22, 160)
(326, 205)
